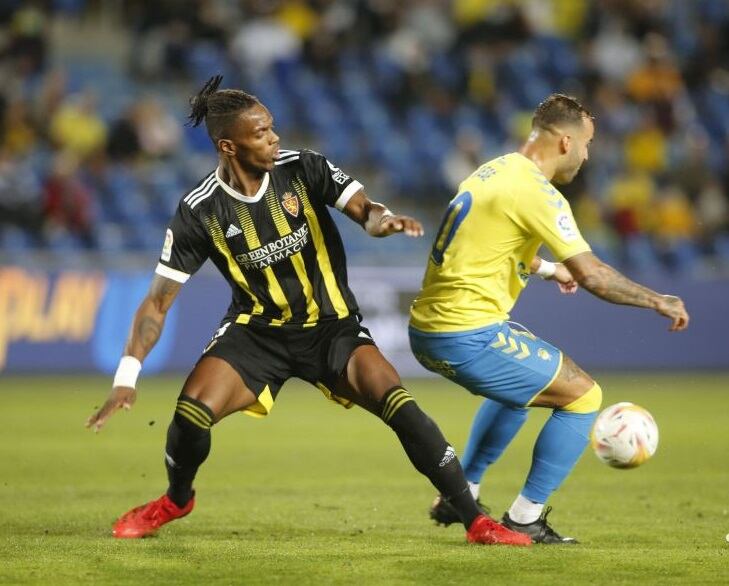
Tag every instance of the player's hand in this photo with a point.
(120, 398)
(564, 279)
(391, 224)
(672, 307)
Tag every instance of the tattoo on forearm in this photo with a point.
(150, 316)
(610, 285)
(148, 332)
(164, 291)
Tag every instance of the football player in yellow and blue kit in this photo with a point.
(481, 260)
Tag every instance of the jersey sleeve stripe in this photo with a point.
(204, 195)
(347, 194)
(288, 159)
(167, 272)
(202, 187)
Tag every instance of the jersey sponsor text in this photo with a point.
(275, 251)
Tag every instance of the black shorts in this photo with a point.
(267, 356)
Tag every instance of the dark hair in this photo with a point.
(218, 108)
(559, 109)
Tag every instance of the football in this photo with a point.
(624, 435)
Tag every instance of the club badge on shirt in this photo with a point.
(290, 203)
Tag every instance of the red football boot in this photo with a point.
(488, 532)
(147, 519)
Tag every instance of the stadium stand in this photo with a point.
(94, 153)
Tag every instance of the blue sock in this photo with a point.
(559, 445)
(494, 426)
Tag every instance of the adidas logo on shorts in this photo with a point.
(233, 230)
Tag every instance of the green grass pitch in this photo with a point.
(315, 494)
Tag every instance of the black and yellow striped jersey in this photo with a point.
(279, 249)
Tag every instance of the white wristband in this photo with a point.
(546, 269)
(127, 372)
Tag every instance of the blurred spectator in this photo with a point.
(123, 144)
(590, 217)
(411, 91)
(712, 212)
(674, 217)
(631, 198)
(176, 46)
(465, 158)
(67, 202)
(28, 46)
(3, 109)
(263, 40)
(614, 52)
(212, 20)
(615, 114)
(658, 82)
(158, 132)
(430, 22)
(299, 17)
(48, 99)
(20, 195)
(675, 229)
(145, 128)
(693, 171)
(77, 127)
(645, 147)
(19, 135)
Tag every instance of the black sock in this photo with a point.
(429, 451)
(188, 444)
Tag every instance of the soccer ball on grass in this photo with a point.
(624, 435)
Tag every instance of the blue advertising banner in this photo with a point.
(76, 321)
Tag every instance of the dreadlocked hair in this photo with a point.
(218, 108)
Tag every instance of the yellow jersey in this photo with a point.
(493, 228)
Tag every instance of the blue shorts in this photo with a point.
(500, 361)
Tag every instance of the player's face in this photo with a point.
(578, 151)
(255, 141)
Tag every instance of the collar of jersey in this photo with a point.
(238, 195)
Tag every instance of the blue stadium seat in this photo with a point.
(447, 70)
(721, 244)
(62, 241)
(276, 100)
(206, 58)
(556, 59)
(683, 256)
(14, 239)
(163, 187)
(430, 142)
(640, 254)
(196, 139)
(110, 237)
(523, 78)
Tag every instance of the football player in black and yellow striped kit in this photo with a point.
(262, 218)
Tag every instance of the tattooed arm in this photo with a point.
(150, 317)
(146, 330)
(605, 282)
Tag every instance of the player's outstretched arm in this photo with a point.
(606, 283)
(377, 220)
(146, 330)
